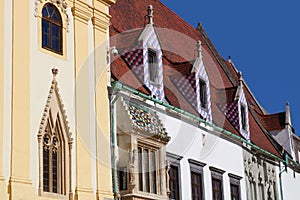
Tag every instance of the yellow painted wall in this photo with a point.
(82, 14)
(1, 81)
(26, 57)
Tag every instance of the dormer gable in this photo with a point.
(202, 86)
(145, 59)
(152, 58)
(242, 109)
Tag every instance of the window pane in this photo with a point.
(234, 192)
(140, 163)
(217, 189)
(54, 172)
(152, 63)
(55, 44)
(146, 168)
(55, 16)
(46, 170)
(203, 94)
(123, 178)
(55, 31)
(45, 12)
(243, 116)
(174, 192)
(153, 173)
(196, 186)
(50, 10)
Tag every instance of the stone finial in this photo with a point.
(240, 74)
(150, 14)
(54, 72)
(288, 120)
(199, 49)
(240, 87)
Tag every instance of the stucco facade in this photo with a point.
(26, 79)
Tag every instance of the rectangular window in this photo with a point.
(174, 181)
(235, 193)
(174, 176)
(217, 189)
(234, 186)
(196, 180)
(123, 178)
(153, 65)
(217, 183)
(243, 117)
(203, 93)
(147, 161)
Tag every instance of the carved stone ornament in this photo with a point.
(61, 4)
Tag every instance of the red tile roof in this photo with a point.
(178, 42)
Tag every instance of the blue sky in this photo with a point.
(263, 40)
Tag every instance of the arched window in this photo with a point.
(51, 28)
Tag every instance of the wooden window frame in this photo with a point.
(51, 22)
(235, 181)
(196, 167)
(174, 161)
(217, 175)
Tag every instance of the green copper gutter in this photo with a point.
(112, 102)
(119, 86)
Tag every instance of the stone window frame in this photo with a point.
(235, 180)
(156, 150)
(54, 107)
(197, 167)
(175, 161)
(217, 174)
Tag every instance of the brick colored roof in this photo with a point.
(272, 122)
(178, 42)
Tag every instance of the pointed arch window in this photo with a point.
(53, 159)
(54, 147)
(51, 28)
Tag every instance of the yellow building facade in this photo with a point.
(54, 121)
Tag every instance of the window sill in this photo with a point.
(53, 195)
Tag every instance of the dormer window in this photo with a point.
(243, 117)
(203, 93)
(153, 65)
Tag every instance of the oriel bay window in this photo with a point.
(148, 169)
